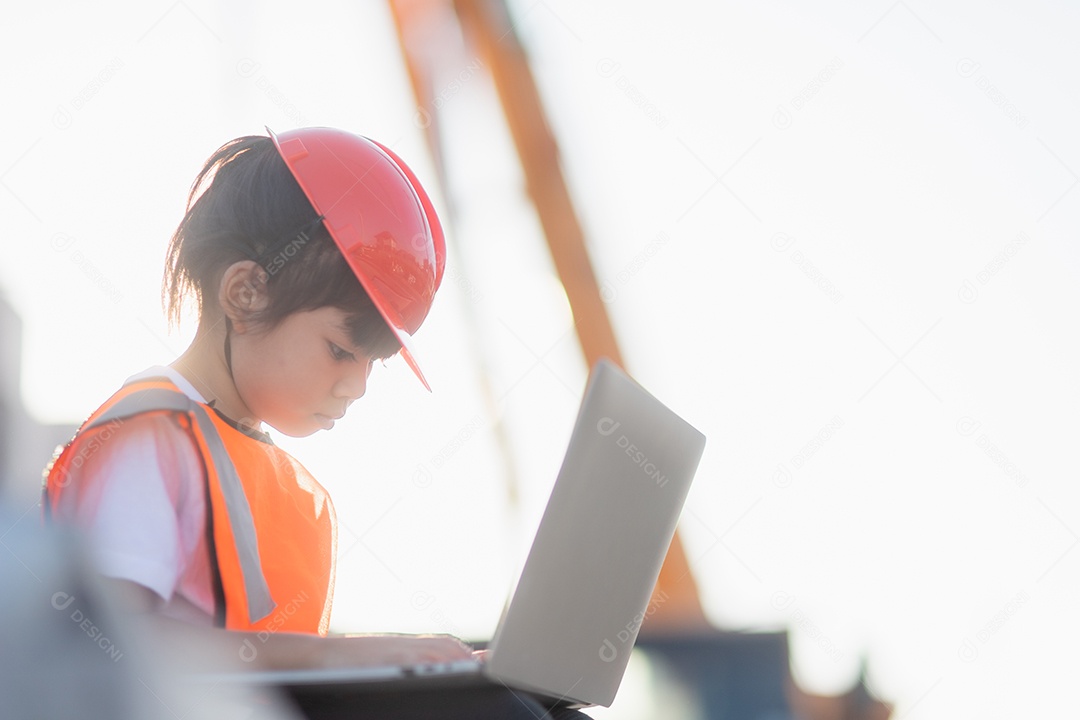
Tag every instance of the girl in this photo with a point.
(308, 255)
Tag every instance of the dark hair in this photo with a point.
(253, 209)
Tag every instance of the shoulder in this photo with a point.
(173, 376)
(135, 490)
(145, 434)
(138, 435)
(138, 420)
(150, 453)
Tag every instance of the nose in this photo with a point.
(352, 384)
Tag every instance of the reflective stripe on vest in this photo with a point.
(259, 602)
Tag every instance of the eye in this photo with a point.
(340, 354)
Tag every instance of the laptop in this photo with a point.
(567, 631)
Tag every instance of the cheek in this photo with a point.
(278, 376)
(295, 372)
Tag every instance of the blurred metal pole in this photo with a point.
(422, 27)
(424, 37)
(488, 25)
(676, 603)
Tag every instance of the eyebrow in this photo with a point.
(356, 346)
(367, 340)
(343, 329)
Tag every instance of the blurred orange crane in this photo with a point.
(429, 32)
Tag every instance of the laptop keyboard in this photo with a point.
(451, 667)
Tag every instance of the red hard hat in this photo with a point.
(380, 217)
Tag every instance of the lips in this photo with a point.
(326, 421)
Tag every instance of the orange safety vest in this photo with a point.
(270, 525)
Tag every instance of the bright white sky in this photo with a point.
(840, 241)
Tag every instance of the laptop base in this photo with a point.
(432, 697)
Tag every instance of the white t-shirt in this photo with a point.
(138, 496)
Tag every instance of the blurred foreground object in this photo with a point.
(746, 676)
(25, 443)
(66, 651)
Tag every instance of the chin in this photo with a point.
(301, 433)
(296, 430)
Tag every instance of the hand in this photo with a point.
(352, 650)
(219, 649)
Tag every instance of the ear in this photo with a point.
(243, 292)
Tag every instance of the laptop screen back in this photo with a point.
(586, 585)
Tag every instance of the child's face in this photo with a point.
(303, 374)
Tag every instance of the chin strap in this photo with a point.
(228, 348)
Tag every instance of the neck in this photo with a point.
(203, 365)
